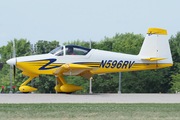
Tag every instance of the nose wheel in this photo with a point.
(26, 89)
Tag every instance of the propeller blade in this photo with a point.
(14, 70)
(14, 51)
(14, 56)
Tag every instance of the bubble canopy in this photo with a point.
(70, 50)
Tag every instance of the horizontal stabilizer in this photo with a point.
(153, 59)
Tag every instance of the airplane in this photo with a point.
(85, 62)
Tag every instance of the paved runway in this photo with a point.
(89, 98)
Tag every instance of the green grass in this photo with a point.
(109, 111)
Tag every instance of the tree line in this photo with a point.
(165, 80)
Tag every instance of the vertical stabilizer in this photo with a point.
(156, 47)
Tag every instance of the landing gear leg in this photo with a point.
(25, 89)
(30, 78)
(61, 82)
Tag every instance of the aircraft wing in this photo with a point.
(75, 69)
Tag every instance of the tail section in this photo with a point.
(156, 48)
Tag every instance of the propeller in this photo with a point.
(14, 56)
(14, 70)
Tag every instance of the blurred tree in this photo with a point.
(43, 47)
(175, 69)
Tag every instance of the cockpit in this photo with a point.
(70, 50)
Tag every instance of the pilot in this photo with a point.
(70, 51)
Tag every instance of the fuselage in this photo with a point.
(104, 61)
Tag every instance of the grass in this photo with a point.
(97, 111)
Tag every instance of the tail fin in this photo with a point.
(156, 48)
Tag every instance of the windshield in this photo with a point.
(57, 51)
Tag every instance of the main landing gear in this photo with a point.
(64, 87)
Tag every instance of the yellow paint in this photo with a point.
(157, 31)
(27, 89)
(164, 65)
(30, 74)
(61, 79)
(155, 59)
(32, 67)
(57, 88)
(70, 88)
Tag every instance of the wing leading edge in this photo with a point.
(75, 69)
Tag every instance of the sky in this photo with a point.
(69, 20)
